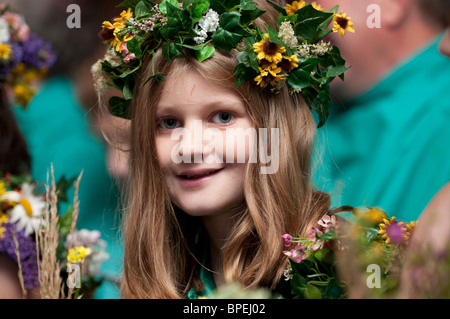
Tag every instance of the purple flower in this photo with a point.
(27, 250)
(37, 53)
(396, 232)
(14, 59)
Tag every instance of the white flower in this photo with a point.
(28, 210)
(287, 35)
(4, 31)
(208, 23)
(202, 35)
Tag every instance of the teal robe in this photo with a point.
(58, 131)
(390, 147)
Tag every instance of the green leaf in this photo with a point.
(63, 186)
(196, 8)
(321, 253)
(225, 40)
(321, 106)
(141, 10)
(312, 292)
(128, 87)
(308, 22)
(249, 11)
(171, 51)
(205, 53)
(221, 6)
(134, 47)
(298, 284)
(278, 8)
(299, 79)
(273, 37)
(243, 73)
(328, 235)
(163, 5)
(119, 107)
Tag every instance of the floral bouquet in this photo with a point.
(24, 56)
(342, 258)
(43, 243)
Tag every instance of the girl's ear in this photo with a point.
(395, 12)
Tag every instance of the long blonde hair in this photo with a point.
(164, 246)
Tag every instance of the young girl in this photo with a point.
(192, 226)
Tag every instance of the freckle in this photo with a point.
(193, 88)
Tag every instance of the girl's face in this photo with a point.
(194, 116)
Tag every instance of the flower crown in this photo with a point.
(24, 57)
(294, 55)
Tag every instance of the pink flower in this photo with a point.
(297, 254)
(129, 57)
(287, 240)
(314, 237)
(124, 49)
(23, 33)
(329, 223)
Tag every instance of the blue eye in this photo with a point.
(223, 117)
(169, 124)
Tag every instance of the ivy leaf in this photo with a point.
(141, 10)
(118, 106)
(196, 8)
(163, 6)
(243, 73)
(249, 11)
(321, 106)
(278, 8)
(299, 79)
(221, 6)
(229, 32)
(134, 47)
(205, 53)
(171, 51)
(309, 20)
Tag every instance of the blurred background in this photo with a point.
(62, 125)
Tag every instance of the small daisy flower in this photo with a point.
(28, 211)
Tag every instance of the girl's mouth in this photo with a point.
(197, 177)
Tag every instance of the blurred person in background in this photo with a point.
(59, 129)
(386, 143)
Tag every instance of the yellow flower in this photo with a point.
(409, 230)
(266, 76)
(317, 6)
(272, 52)
(117, 27)
(288, 63)
(77, 255)
(3, 218)
(23, 94)
(2, 188)
(342, 24)
(295, 6)
(124, 16)
(5, 51)
(374, 215)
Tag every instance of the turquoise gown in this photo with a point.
(58, 131)
(390, 147)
